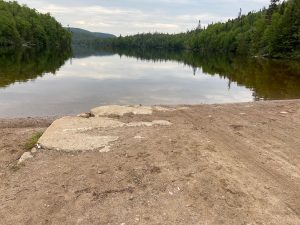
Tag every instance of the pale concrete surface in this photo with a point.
(77, 133)
(121, 110)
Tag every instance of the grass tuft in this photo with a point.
(31, 142)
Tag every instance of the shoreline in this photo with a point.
(54, 117)
(234, 163)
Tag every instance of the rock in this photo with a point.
(24, 157)
(283, 112)
(33, 150)
(105, 149)
(138, 137)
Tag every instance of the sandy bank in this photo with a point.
(205, 164)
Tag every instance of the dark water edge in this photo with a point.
(44, 83)
(270, 79)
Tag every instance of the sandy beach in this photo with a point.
(205, 164)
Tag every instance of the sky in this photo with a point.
(137, 16)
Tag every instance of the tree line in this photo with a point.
(22, 26)
(270, 32)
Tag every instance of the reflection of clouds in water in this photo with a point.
(127, 68)
(237, 95)
(95, 81)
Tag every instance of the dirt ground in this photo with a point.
(216, 164)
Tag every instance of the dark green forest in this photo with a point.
(22, 26)
(273, 32)
(81, 36)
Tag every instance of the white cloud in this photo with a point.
(134, 16)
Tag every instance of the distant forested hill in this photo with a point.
(83, 37)
(20, 25)
(272, 32)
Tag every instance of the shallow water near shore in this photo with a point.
(47, 84)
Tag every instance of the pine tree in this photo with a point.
(272, 8)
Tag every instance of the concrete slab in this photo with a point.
(121, 110)
(70, 134)
(75, 133)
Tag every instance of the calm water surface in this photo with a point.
(46, 84)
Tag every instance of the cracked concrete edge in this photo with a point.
(121, 110)
(71, 133)
(125, 109)
(149, 124)
(96, 143)
(56, 137)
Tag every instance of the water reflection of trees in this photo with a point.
(269, 79)
(27, 64)
(87, 51)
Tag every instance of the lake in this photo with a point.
(58, 83)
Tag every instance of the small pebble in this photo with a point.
(283, 112)
(138, 137)
(24, 157)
